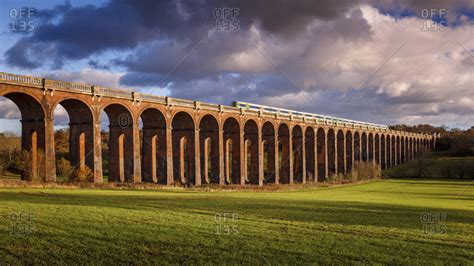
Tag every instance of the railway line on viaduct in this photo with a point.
(167, 140)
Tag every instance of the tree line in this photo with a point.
(454, 142)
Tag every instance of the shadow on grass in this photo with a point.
(253, 208)
(435, 182)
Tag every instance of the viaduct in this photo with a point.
(189, 142)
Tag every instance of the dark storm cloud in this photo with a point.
(18, 55)
(96, 64)
(79, 32)
(124, 24)
(324, 48)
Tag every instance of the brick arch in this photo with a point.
(206, 115)
(81, 131)
(371, 147)
(121, 143)
(364, 147)
(209, 148)
(284, 149)
(393, 150)
(383, 151)
(274, 123)
(349, 150)
(321, 153)
(33, 133)
(340, 148)
(251, 152)
(418, 147)
(397, 148)
(268, 137)
(147, 107)
(377, 148)
(85, 104)
(29, 105)
(357, 146)
(183, 148)
(153, 145)
(126, 107)
(310, 152)
(180, 111)
(402, 149)
(232, 154)
(409, 149)
(297, 143)
(331, 152)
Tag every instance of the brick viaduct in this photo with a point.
(191, 142)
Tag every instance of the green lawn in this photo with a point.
(376, 222)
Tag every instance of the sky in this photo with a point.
(386, 62)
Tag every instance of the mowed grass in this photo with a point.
(375, 222)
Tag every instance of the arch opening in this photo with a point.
(33, 138)
(209, 147)
(332, 163)
(383, 152)
(74, 143)
(397, 150)
(357, 148)
(251, 152)
(310, 155)
(402, 150)
(371, 148)
(364, 148)
(407, 149)
(393, 152)
(119, 142)
(297, 142)
(349, 152)
(268, 138)
(232, 151)
(340, 152)
(321, 150)
(183, 149)
(284, 153)
(153, 143)
(377, 149)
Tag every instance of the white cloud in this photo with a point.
(407, 75)
(103, 78)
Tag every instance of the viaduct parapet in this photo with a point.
(175, 141)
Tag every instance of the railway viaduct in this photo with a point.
(189, 142)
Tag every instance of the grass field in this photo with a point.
(384, 221)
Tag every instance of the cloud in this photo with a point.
(79, 32)
(88, 76)
(8, 109)
(308, 56)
